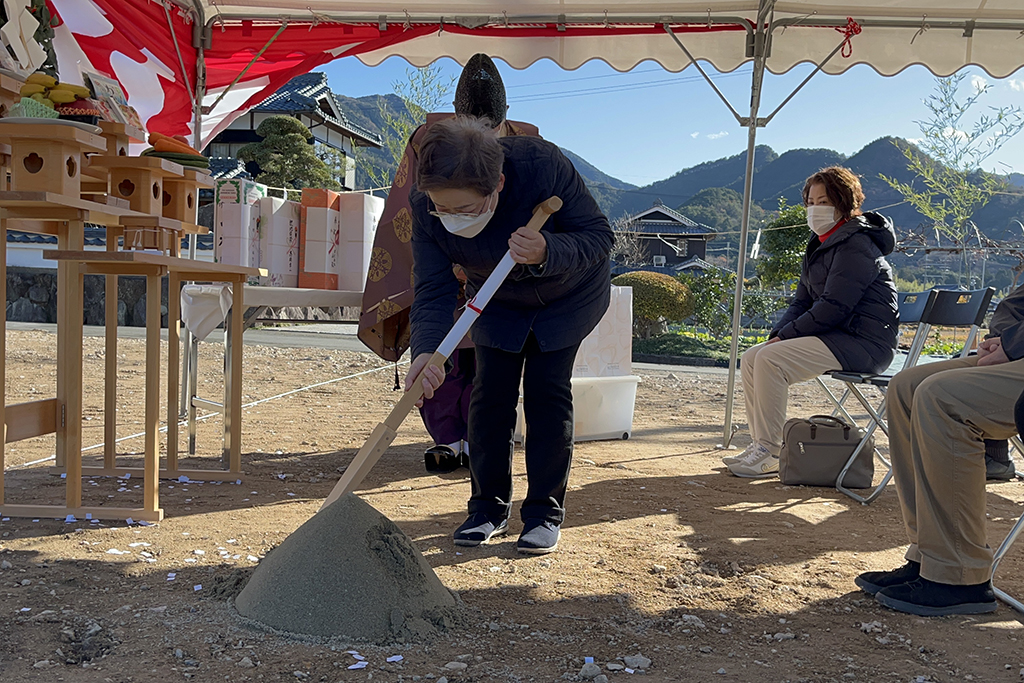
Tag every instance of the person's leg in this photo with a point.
(899, 404)
(747, 361)
(1018, 414)
(998, 465)
(952, 413)
(776, 367)
(442, 416)
(467, 362)
(492, 419)
(547, 406)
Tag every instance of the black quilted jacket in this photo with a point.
(846, 296)
(560, 302)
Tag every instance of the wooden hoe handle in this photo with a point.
(386, 431)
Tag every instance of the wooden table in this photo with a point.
(154, 267)
(63, 216)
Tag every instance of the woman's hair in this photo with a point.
(842, 187)
(460, 153)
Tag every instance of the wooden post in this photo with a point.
(233, 406)
(173, 359)
(110, 360)
(70, 305)
(151, 500)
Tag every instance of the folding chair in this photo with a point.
(912, 307)
(1009, 540)
(947, 308)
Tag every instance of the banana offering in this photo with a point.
(45, 90)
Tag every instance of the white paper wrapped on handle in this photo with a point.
(204, 308)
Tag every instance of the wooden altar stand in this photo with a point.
(46, 161)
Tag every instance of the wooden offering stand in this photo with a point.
(95, 179)
(46, 163)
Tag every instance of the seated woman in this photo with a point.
(844, 315)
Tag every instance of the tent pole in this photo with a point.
(760, 49)
(187, 388)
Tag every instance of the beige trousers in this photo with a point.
(768, 370)
(938, 417)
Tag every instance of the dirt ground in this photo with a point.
(709, 577)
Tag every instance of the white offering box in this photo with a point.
(279, 241)
(607, 351)
(359, 216)
(323, 240)
(237, 223)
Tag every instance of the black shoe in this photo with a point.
(479, 528)
(441, 459)
(999, 471)
(930, 599)
(539, 537)
(872, 582)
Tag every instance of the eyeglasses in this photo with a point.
(438, 214)
(463, 214)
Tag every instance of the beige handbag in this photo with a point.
(815, 450)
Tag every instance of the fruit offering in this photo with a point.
(45, 90)
(83, 111)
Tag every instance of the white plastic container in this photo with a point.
(602, 408)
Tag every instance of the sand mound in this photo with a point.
(349, 572)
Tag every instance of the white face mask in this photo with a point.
(465, 224)
(821, 218)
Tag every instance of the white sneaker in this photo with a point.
(759, 463)
(734, 459)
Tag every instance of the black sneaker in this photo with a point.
(479, 528)
(441, 459)
(539, 537)
(930, 599)
(999, 471)
(872, 582)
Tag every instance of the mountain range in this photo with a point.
(712, 189)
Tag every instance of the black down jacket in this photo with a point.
(846, 296)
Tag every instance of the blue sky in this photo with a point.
(647, 124)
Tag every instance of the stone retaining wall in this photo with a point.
(32, 297)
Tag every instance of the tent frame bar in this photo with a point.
(488, 21)
(968, 26)
(181, 60)
(760, 53)
(820, 65)
(255, 58)
(696, 65)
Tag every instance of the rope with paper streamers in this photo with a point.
(851, 29)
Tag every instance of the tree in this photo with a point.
(782, 245)
(947, 161)
(628, 249)
(285, 156)
(424, 90)
(713, 297)
(658, 299)
(336, 161)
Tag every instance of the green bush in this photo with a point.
(657, 299)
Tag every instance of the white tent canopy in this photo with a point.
(252, 46)
(942, 35)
